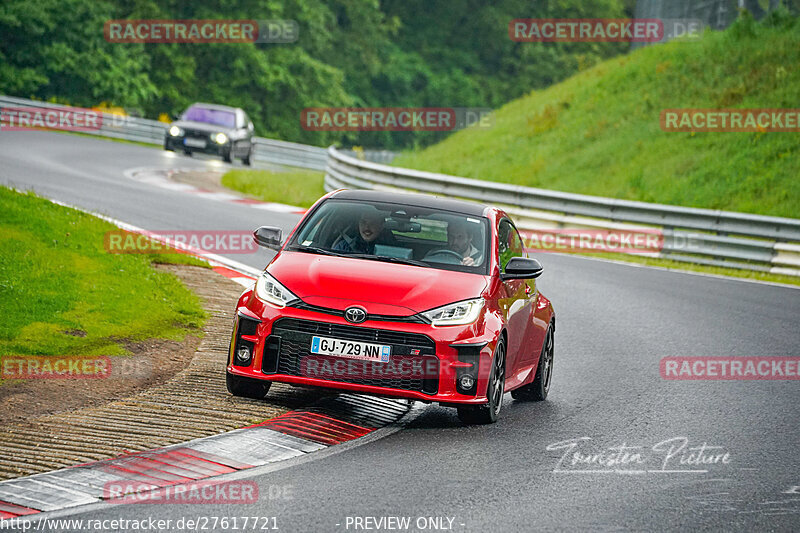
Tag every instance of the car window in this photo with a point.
(393, 232)
(509, 243)
(218, 117)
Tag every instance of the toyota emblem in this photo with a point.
(355, 315)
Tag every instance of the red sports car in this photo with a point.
(399, 295)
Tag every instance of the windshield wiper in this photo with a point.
(387, 259)
(316, 250)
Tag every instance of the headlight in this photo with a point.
(456, 314)
(269, 290)
(220, 138)
(175, 131)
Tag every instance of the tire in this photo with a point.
(490, 412)
(538, 389)
(256, 389)
(248, 159)
(168, 147)
(228, 156)
(187, 152)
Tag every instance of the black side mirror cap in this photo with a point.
(522, 268)
(268, 237)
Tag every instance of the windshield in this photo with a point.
(396, 233)
(226, 119)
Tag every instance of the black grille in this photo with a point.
(355, 333)
(196, 134)
(411, 349)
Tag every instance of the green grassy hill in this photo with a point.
(599, 132)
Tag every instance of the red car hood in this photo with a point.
(381, 288)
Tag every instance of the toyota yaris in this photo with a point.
(399, 295)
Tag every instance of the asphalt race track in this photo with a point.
(615, 323)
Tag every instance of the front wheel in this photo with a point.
(537, 391)
(228, 156)
(256, 389)
(490, 412)
(248, 159)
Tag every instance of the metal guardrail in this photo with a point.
(290, 154)
(152, 132)
(702, 236)
(115, 126)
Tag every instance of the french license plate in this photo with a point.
(194, 143)
(350, 349)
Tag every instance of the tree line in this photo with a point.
(350, 53)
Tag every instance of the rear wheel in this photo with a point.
(537, 391)
(256, 389)
(490, 412)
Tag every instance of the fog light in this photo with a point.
(467, 381)
(243, 355)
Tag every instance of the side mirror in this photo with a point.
(250, 126)
(268, 237)
(522, 268)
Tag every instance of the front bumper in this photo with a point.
(211, 147)
(426, 364)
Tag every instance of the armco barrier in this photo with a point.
(718, 238)
(152, 132)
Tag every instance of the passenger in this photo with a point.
(371, 226)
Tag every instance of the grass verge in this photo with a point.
(61, 293)
(297, 187)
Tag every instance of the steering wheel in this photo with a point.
(444, 255)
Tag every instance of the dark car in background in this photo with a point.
(212, 129)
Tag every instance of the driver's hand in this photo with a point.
(468, 261)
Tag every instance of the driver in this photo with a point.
(459, 240)
(371, 224)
